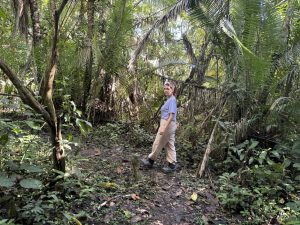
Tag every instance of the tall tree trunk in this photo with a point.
(107, 98)
(21, 17)
(36, 38)
(89, 63)
(35, 18)
(81, 12)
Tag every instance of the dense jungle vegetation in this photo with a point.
(81, 87)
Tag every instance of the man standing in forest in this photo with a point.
(165, 137)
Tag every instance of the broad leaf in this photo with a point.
(5, 181)
(276, 154)
(33, 125)
(297, 165)
(31, 168)
(12, 165)
(84, 126)
(3, 139)
(262, 156)
(253, 144)
(296, 146)
(31, 183)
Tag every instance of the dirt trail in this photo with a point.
(156, 198)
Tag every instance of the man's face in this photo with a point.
(168, 90)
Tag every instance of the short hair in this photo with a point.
(170, 84)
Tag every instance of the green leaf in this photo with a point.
(296, 165)
(297, 178)
(241, 154)
(84, 126)
(296, 146)
(6, 182)
(3, 139)
(287, 162)
(278, 167)
(251, 160)
(269, 161)
(127, 214)
(7, 222)
(31, 168)
(276, 154)
(262, 156)
(12, 165)
(33, 125)
(73, 105)
(253, 144)
(31, 183)
(2, 14)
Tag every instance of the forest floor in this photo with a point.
(100, 186)
(152, 198)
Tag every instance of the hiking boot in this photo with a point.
(148, 162)
(171, 167)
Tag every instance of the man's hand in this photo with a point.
(162, 130)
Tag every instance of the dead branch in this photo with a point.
(201, 167)
(10, 95)
(114, 198)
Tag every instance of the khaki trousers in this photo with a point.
(166, 141)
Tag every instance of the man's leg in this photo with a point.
(170, 148)
(158, 144)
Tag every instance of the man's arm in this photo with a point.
(163, 129)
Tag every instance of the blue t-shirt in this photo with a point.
(170, 106)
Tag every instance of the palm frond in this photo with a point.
(209, 13)
(279, 103)
(173, 13)
(118, 27)
(256, 28)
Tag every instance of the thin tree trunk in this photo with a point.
(36, 38)
(89, 64)
(47, 94)
(52, 6)
(81, 12)
(209, 148)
